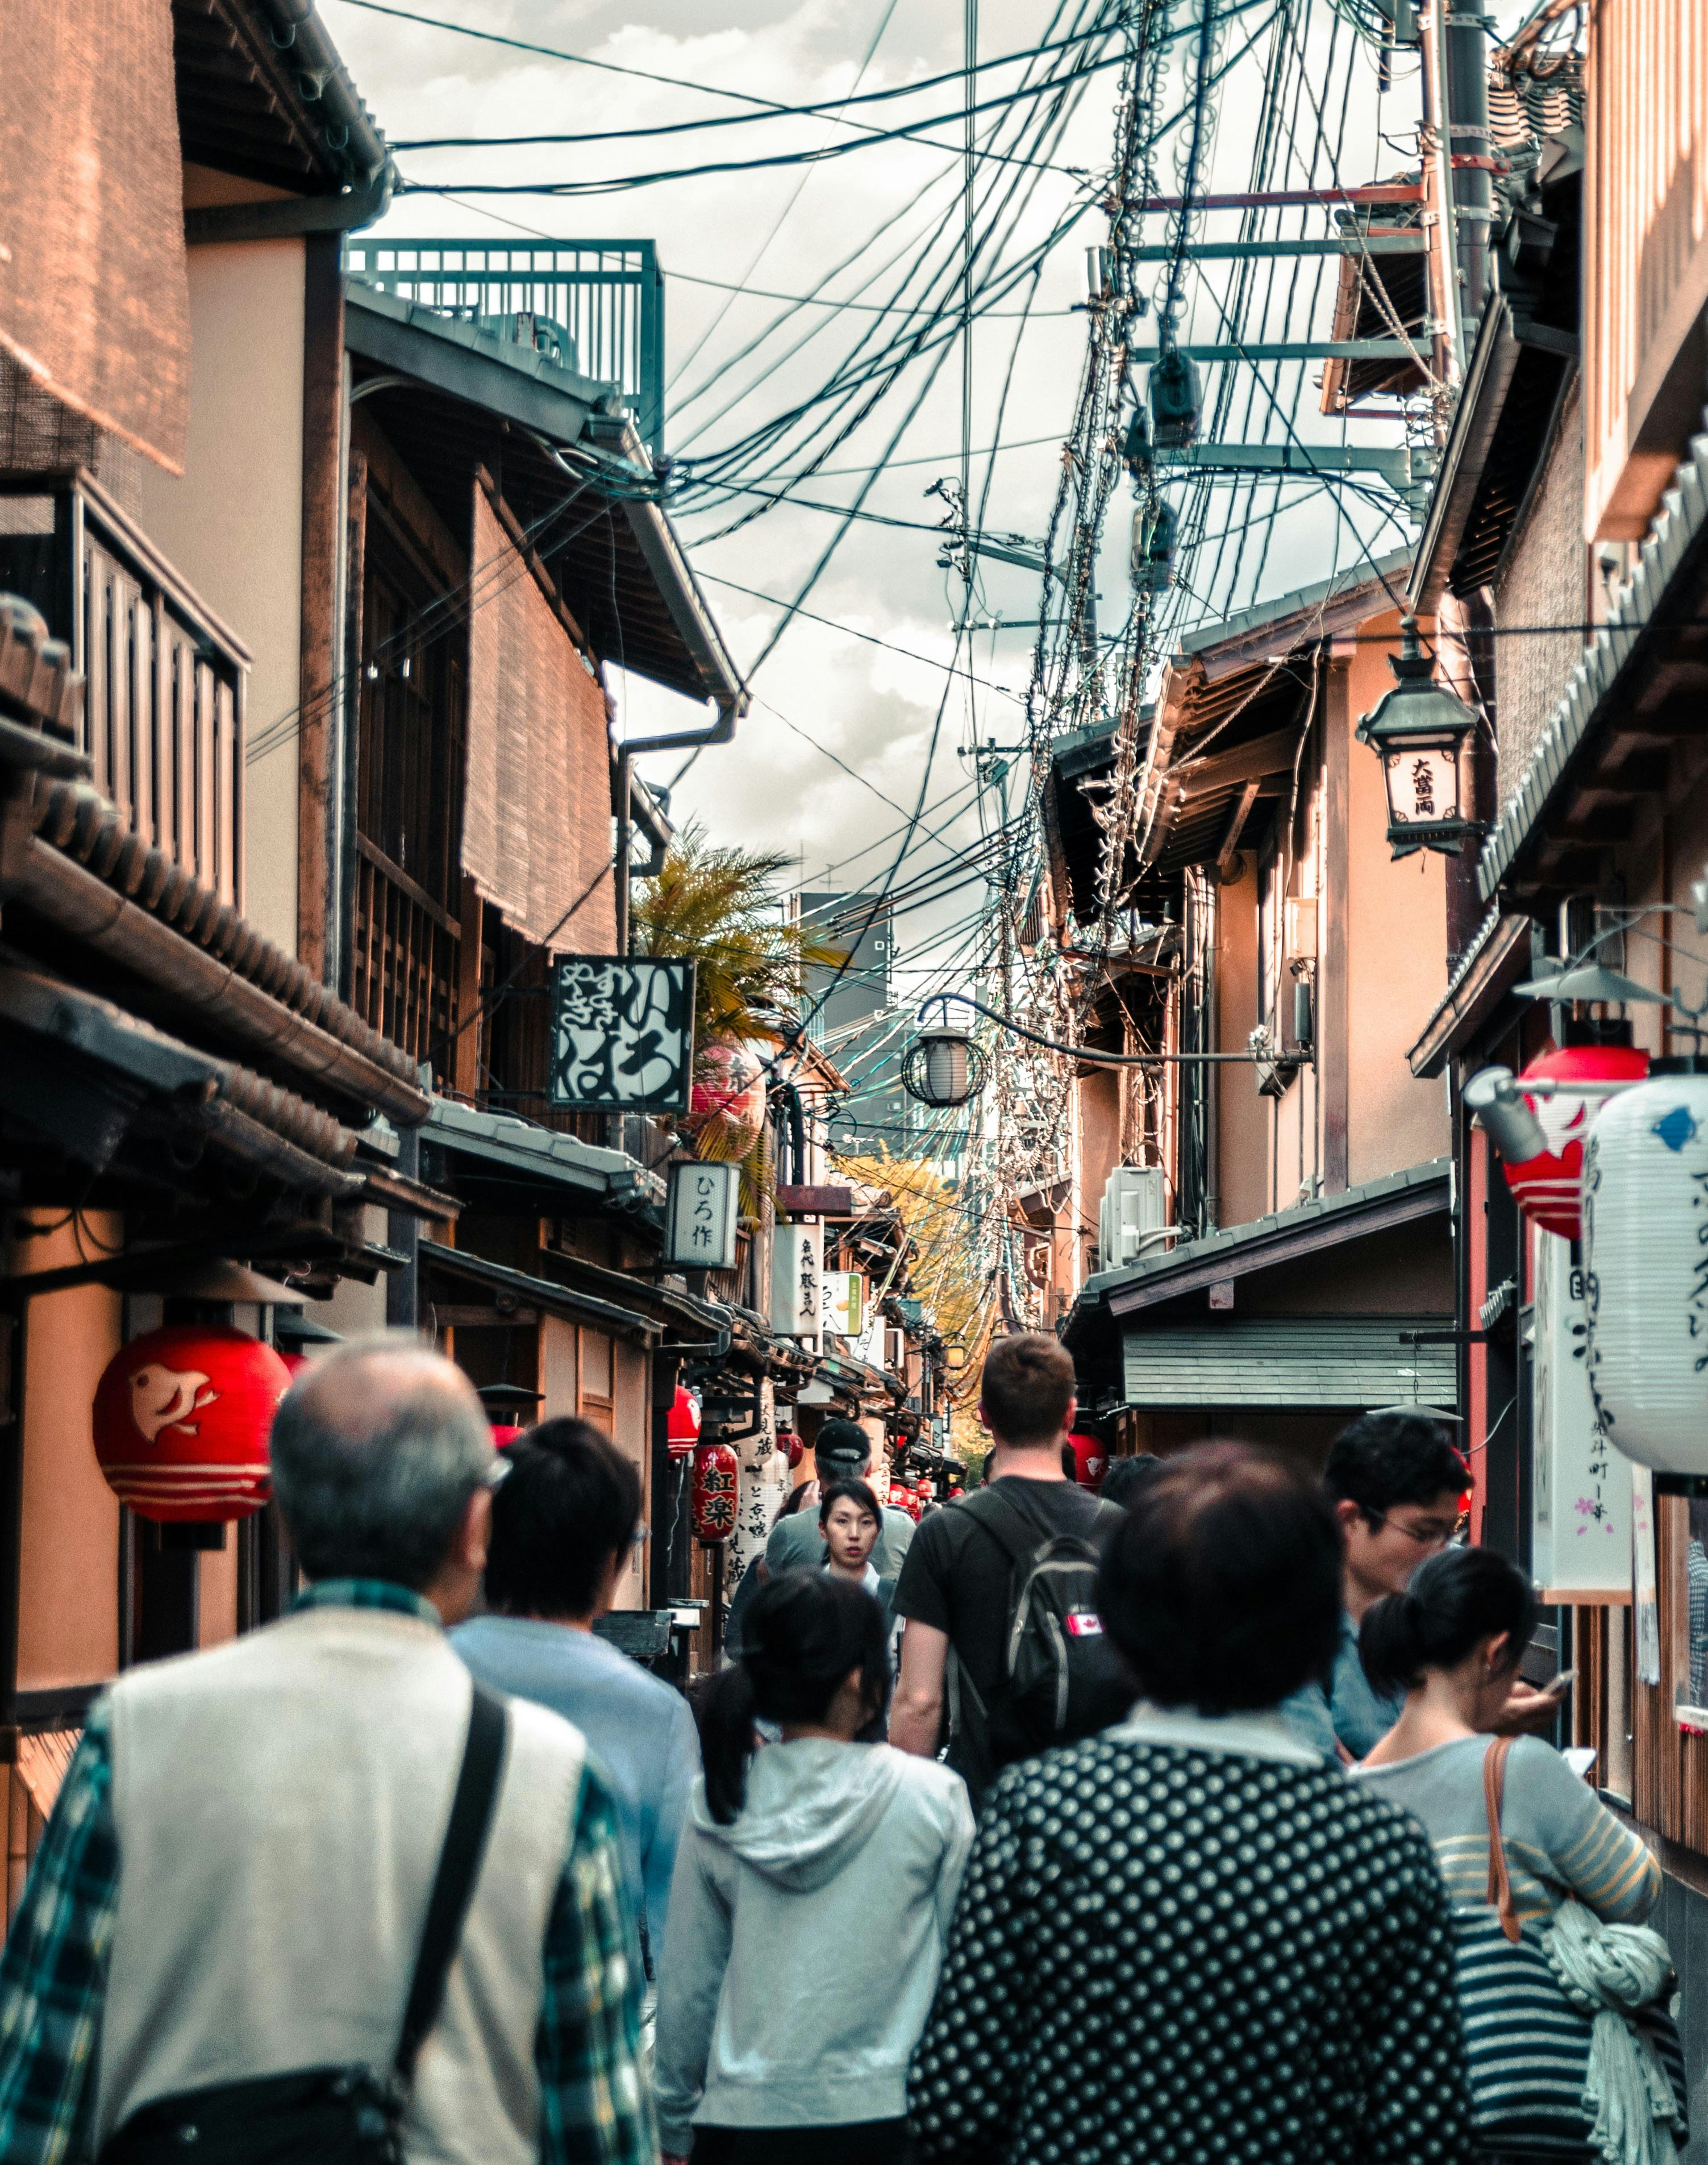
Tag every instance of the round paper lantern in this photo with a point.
(505, 1432)
(1546, 1188)
(726, 1104)
(1090, 1461)
(683, 1428)
(716, 1479)
(790, 1444)
(1645, 1285)
(182, 1419)
(903, 1498)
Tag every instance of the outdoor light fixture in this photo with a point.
(1421, 730)
(942, 1066)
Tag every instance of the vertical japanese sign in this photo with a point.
(1580, 1538)
(843, 1300)
(1646, 1600)
(700, 1217)
(622, 1035)
(796, 1265)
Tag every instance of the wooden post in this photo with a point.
(355, 612)
(322, 536)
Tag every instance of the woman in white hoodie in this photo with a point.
(813, 1888)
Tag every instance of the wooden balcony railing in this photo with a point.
(164, 717)
(403, 958)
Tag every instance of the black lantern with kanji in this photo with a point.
(1422, 733)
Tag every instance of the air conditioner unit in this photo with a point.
(1134, 1204)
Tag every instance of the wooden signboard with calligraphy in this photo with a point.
(622, 1035)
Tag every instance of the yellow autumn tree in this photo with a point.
(942, 1272)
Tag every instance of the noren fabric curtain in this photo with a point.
(94, 294)
(536, 823)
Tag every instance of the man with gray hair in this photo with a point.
(228, 1913)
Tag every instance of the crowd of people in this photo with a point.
(1206, 1821)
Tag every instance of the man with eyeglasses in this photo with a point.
(1398, 1488)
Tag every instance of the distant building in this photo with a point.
(877, 1110)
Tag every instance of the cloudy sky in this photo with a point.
(735, 359)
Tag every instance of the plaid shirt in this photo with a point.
(596, 2107)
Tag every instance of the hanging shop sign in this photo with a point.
(622, 1035)
(716, 1491)
(182, 1419)
(700, 1216)
(1580, 1495)
(1546, 1186)
(842, 1300)
(797, 1269)
(1646, 1270)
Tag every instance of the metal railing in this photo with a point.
(594, 308)
(164, 709)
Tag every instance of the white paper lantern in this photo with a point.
(1646, 1268)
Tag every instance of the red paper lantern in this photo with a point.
(505, 1432)
(790, 1444)
(726, 1104)
(295, 1362)
(904, 1498)
(683, 1428)
(1090, 1461)
(716, 1480)
(183, 1419)
(1546, 1188)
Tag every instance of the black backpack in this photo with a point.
(1062, 1677)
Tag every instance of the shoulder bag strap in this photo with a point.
(459, 1865)
(1499, 1885)
(1009, 1524)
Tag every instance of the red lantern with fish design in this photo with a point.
(716, 1489)
(181, 1421)
(1546, 1188)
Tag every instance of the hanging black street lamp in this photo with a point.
(1422, 733)
(943, 1067)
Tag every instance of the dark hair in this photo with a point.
(791, 1503)
(1222, 1587)
(1126, 1476)
(802, 1635)
(844, 1440)
(569, 1504)
(1384, 1459)
(1455, 1600)
(1027, 1388)
(861, 1491)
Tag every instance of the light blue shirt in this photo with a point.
(1352, 1709)
(639, 1730)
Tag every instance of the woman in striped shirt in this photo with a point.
(1453, 1642)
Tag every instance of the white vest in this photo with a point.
(280, 1804)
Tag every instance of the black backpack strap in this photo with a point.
(1012, 1527)
(459, 1865)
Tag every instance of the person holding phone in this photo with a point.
(1452, 1643)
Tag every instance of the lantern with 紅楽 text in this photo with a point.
(1645, 1278)
(716, 1479)
(182, 1422)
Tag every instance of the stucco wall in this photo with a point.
(1396, 959)
(1543, 582)
(232, 525)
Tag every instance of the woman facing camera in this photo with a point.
(1187, 1938)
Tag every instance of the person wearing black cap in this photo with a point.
(842, 1452)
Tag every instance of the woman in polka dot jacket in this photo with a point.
(1188, 1939)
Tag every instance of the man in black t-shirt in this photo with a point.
(954, 1588)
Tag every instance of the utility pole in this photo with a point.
(1447, 342)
